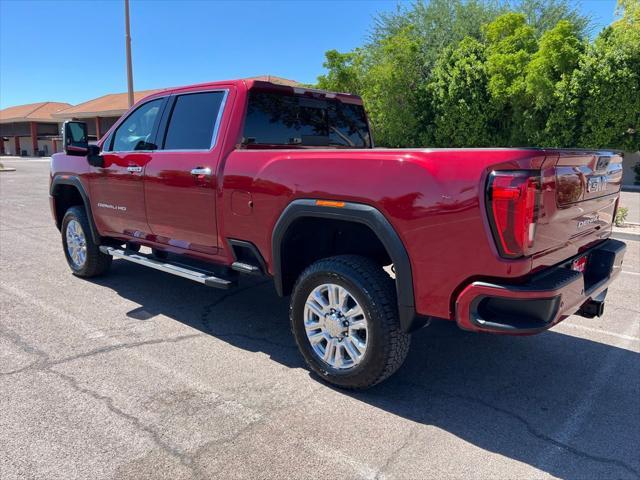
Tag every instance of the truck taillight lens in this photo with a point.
(513, 200)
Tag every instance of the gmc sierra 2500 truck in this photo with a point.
(248, 177)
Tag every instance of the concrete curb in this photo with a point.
(630, 236)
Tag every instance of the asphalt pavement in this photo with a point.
(140, 374)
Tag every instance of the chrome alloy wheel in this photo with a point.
(76, 244)
(336, 326)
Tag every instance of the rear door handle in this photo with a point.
(201, 171)
(134, 169)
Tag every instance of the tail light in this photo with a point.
(513, 200)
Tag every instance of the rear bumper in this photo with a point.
(544, 300)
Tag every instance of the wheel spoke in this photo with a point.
(343, 298)
(333, 296)
(338, 361)
(329, 351)
(356, 311)
(319, 298)
(317, 309)
(352, 350)
(316, 338)
(358, 345)
(358, 325)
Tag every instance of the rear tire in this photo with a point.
(353, 351)
(83, 255)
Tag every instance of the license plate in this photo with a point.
(579, 264)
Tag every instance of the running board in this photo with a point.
(184, 271)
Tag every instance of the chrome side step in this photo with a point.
(184, 271)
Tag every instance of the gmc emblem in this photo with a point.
(597, 184)
(603, 163)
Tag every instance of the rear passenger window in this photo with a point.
(193, 121)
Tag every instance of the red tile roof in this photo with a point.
(33, 112)
(111, 105)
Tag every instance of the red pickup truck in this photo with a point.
(248, 177)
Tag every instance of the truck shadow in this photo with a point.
(562, 404)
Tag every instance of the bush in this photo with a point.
(621, 216)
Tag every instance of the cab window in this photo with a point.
(136, 132)
(193, 120)
(282, 119)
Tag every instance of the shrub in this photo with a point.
(621, 216)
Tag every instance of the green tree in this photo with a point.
(606, 88)
(392, 89)
(461, 99)
(420, 88)
(544, 15)
(548, 78)
(344, 72)
(511, 44)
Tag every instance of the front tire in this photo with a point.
(83, 255)
(344, 318)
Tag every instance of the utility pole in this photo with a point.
(128, 46)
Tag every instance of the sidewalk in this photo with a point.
(631, 200)
(12, 159)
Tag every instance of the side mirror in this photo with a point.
(75, 138)
(76, 142)
(93, 156)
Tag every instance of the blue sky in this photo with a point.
(73, 51)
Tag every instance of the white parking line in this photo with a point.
(573, 424)
(603, 332)
(630, 273)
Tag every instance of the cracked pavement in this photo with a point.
(139, 374)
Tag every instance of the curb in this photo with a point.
(631, 236)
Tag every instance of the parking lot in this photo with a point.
(140, 374)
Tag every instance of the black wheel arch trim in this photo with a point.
(382, 228)
(74, 181)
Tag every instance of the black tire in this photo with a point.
(96, 263)
(374, 290)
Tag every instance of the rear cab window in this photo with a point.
(282, 119)
(193, 121)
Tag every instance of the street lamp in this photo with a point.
(128, 47)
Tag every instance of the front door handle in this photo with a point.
(201, 171)
(134, 169)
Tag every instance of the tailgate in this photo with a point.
(579, 198)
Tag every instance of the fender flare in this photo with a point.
(382, 228)
(74, 181)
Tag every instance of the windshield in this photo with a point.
(281, 119)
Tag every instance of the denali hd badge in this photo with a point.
(588, 221)
(597, 184)
(112, 207)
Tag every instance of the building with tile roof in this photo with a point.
(30, 129)
(46, 117)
